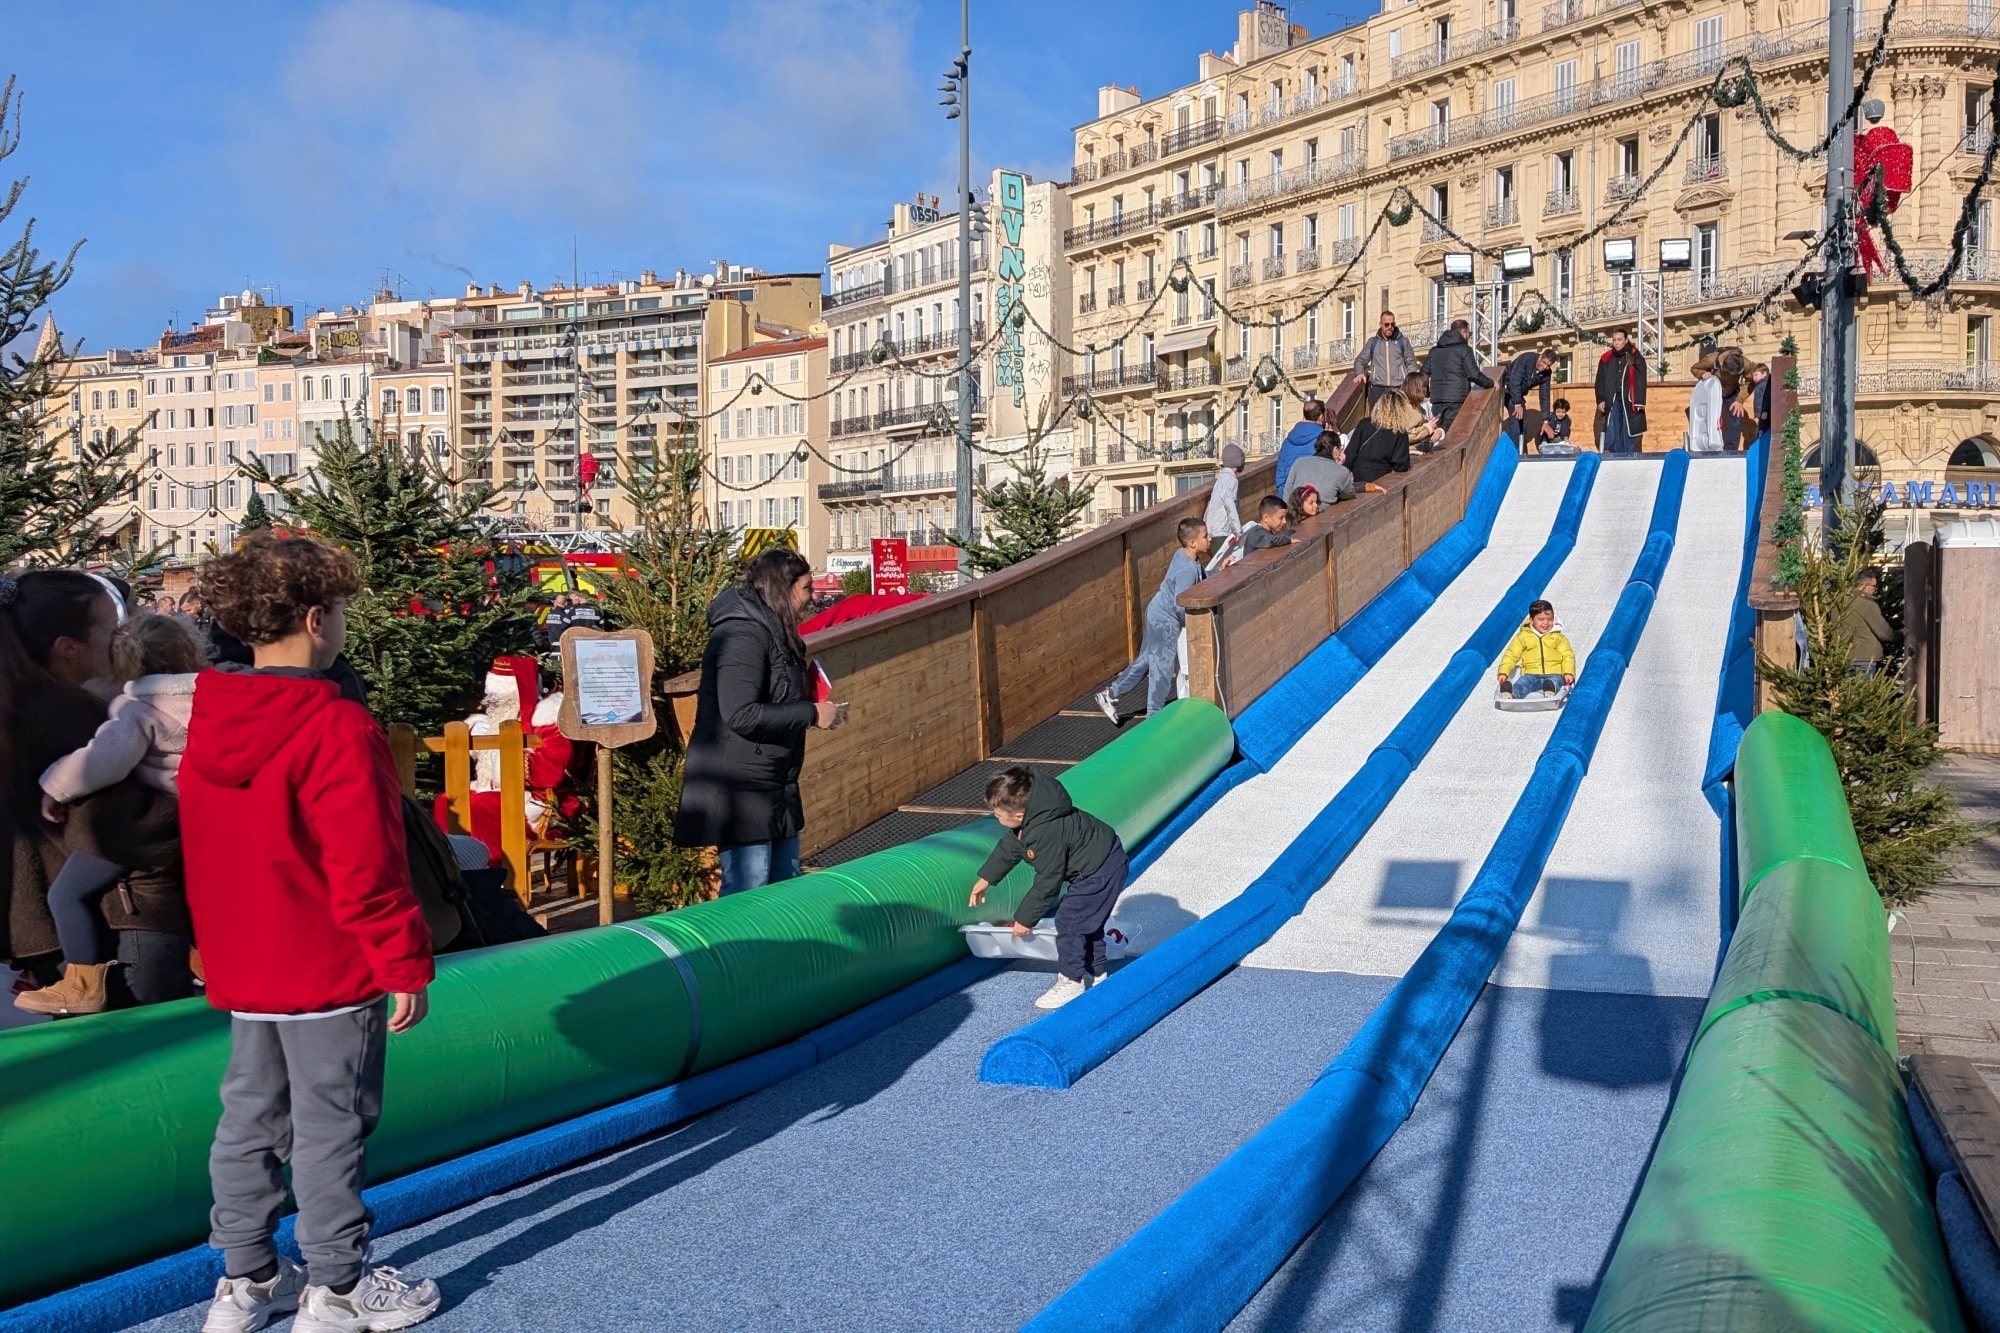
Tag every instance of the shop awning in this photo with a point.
(1192, 408)
(1182, 340)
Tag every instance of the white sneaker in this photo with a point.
(243, 1306)
(1109, 705)
(1060, 994)
(381, 1300)
(1094, 979)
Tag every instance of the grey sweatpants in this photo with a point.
(307, 1092)
(1158, 664)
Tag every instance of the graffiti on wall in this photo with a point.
(1013, 269)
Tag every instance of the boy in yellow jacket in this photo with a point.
(1542, 653)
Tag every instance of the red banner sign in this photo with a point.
(891, 564)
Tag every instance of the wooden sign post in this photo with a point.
(607, 684)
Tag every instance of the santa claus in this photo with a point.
(514, 694)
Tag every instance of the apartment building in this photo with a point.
(766, 439)
(1516, 125)
(626, 357)
(97, 402)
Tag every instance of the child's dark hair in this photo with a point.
(261, 591)
(1563, 403)
(1188, 529)
(1538, 606)
(1008, 789)
(1270, 505)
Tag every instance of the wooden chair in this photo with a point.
(458, 745)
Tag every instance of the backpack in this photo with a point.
(434, 878)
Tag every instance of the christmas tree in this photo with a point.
(1906, 825)
(1026, 515)
(438, 602)
(52, 480)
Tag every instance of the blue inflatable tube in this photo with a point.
(1201, 1260)
(1060, 1049)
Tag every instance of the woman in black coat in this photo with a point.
(740, 789)
(1381, 443)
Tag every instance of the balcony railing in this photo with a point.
(1979, 264)
(1306, 176)
(1560, 202)
(1711, 167)
(1112, 378)
(1625, 85)
(1193, 136)
(1915, 377)
(1306, 357)
(1110, 229)
(1307, 260)
(1345, 250)
(1274, 267)
(867, 291)
(1311, 99)
(1237, 368)
(922, 481)
(1144, 290)
(1115, 296)
(1623, 186)
(1561, 14)
(1086, 303)
(1503, 213)
(1199, 374)
(1190, 201)
(1125, 159)
(1434, 229)
(1455, 47)
(1241, 275)
(1976, 140)
(848, 490)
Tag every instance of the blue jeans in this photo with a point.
(1159, 665)
(1618, 437)
(73, 897)
(755, 864)
(1525, 684)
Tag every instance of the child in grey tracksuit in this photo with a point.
(1159, 651)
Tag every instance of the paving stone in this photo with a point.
(1930, 1025)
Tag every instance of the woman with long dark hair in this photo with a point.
(56, 627)
(740, 788)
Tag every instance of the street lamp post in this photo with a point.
(1839, 348)
(957, 90)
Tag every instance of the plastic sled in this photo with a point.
(990, 941)
(1505, 701)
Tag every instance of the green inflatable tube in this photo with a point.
(105, 1122)
(1786, 1191)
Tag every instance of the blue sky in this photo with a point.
(309, 148)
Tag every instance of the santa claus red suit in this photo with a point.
(513, 688)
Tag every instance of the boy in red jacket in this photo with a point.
(299, 886)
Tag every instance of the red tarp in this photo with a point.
(855, 608)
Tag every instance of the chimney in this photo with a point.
(472, 289)
(648, 278)
(525, 289)
(493, 289)
(1112, 99)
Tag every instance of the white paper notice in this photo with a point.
(608, 688)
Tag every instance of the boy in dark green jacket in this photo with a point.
(1065, 846)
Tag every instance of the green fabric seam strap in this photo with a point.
(688, 983)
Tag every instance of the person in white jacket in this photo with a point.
(157, 657)
(1705, 410)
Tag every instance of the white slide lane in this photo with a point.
(1248, 828)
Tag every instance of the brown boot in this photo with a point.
(81, 991)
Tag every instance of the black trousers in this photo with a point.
(1081, 916)
(1448, 412)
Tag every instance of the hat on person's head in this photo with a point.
(1232, 456)
(513, 688)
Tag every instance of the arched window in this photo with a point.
(326, 386)
(1974, 452)
(306, 388)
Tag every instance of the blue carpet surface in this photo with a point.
(887, 1188)
(1496, 1203)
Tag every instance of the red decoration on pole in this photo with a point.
(1897, 162)
(586, 470)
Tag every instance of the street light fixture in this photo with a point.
(1517, 261)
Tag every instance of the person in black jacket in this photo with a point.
(1453, 366)
(1529, 370)
(1065, 846)
(1381, 443)
(740, 786)
(1621, 395)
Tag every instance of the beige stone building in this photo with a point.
(893, 318)
(765, 440)
(97, 404)
(1518, 124)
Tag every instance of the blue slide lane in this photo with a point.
(1736, 688)
(1060, 1049)
(1196, 1264)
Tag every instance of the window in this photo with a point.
(438, 400)
(413, 401)
(1312, 326)
(1441, 38)
(287, 431)
(1346, 219)
(151, 387)
(1243, 248)
(1978, 340)
(1707, 143)
(389, 400)
(270, 390)
(1277, 163)
(1562, 275)
(285, 392)
(346, 387)
(1440, 302)
(1978, 116)
(229, 451)
(132, 397)
(1312, 151)
(97, 400)
(1275, 240)
(1441, 202)
(1395, 42)
(1626, 62)
(1562, 174)
(1350, 138)
(1441, 113)
(1503, 184)
(1707, 252)
(1628, 156)
(1708, 40)
(1562, 82)
(1348, 310)
(228, 382)
(1309, 233)
(1501, 100)
(229, 493)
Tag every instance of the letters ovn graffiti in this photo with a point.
(1013, 267)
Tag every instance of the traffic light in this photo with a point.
(1811, 291)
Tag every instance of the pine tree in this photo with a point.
(1906, 825)
(255, 516)
(52, 482)
(675, 565)
(1027, 515)
(437, 602)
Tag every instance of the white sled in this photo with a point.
(989, 941)
(1505, 701)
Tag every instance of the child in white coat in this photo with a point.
(157, 658)
(1705, 410)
